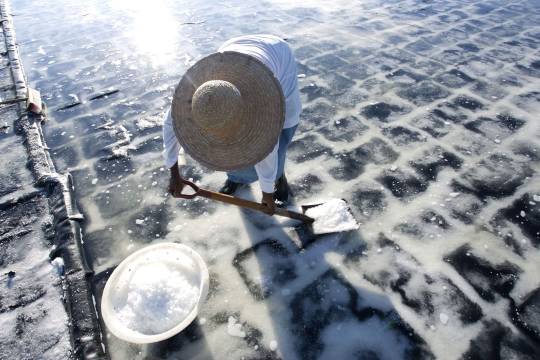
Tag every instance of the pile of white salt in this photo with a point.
(156, 293)
(332, 216)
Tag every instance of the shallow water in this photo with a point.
(421, 114)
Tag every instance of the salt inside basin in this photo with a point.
(154, 293)
(155, 297)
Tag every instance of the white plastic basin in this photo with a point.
(181, 258)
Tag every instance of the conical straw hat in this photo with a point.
(228, 111)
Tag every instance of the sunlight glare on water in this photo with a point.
(153, 31)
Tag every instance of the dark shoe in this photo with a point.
(230, 187)
(282, 190)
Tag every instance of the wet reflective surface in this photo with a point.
(421, 114)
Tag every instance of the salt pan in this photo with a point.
(154, 296)
(332, 216)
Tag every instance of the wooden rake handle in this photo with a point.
(197, 191)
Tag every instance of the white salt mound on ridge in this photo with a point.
(154, 296)
(332, 216)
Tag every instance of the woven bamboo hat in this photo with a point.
(228, 111)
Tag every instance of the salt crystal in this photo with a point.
(139, 221)
(153, 297)
(332, 216)
(379, 250)
(94, 181)
(202, 321)
(522, 213)
(536, 198)
(285, 292)
(273, 345)
(234, 328)
(154, 183)
(444, 318)
(393, 168)
(497, 141)
(454, 194)
(58, 264)
(301, 76)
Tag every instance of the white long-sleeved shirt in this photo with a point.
(276, 54)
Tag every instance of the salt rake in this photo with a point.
(328, 217)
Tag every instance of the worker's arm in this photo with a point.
(171, 148)
(266, 171)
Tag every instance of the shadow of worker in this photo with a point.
(316, 312)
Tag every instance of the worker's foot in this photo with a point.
(282, 190)
(230, 187)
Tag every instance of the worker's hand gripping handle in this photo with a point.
(236, 201)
